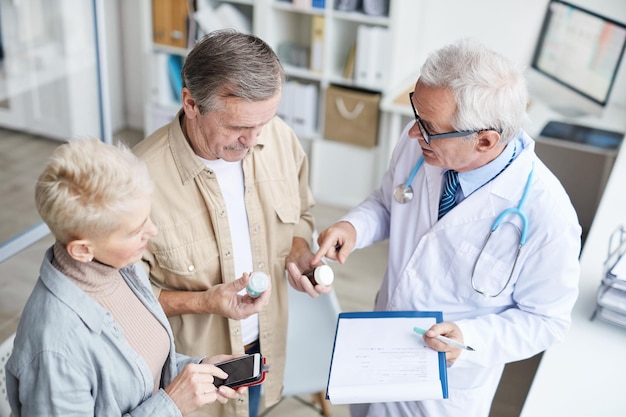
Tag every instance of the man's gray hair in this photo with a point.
(226, 63)
(490, 92)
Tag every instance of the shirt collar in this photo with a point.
(187, 162)
(472, 180)
(90, 312)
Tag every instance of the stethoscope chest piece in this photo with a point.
(403, 193)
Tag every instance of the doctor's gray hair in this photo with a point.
(490, 92)
(226, 63)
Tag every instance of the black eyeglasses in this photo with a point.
(428, 136)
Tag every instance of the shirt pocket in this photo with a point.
(194, 266)
(288, 212)
(286, 215)
(487, 271)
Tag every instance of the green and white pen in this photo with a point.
(444, 339)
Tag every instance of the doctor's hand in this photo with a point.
(449, 330)
(299, 260)
(336, 242)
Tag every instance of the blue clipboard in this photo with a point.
(437, 315)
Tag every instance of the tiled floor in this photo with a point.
(21, 159)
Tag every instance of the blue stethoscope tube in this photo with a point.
(416, 168)
(406, 191)
(518, 210)
(522, 239)
(403, 193)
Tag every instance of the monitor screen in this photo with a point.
(580, 50)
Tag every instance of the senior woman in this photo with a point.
(92, 339)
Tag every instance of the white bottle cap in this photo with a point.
(259, 282)
(324, 275)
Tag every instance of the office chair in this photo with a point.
(310, 339)
(5, 351)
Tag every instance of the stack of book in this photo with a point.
(371, 62)
(298, 107)
(307, 4)
(611, 297)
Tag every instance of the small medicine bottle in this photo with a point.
(259, 281)
(322, 275)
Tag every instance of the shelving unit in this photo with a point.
(159, 105)
(344, 174)
(283, 22)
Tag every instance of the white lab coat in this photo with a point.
(430, 264)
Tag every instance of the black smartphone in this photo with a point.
(244, 370)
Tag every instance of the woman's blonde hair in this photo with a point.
(87, 185)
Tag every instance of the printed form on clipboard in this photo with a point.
(377, 357)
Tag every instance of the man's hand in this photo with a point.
(222, 299)
(236, 306)
(298, 261)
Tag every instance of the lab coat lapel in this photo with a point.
(434, 178)
(507, 185)
(486, 202)
(465, 212)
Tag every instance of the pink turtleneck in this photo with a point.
(106, 286)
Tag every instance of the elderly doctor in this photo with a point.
(463, 162)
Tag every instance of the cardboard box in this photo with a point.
(169, 22)
(351, 116)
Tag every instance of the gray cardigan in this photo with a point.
(70, 357)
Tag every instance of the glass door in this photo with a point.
(50, 91)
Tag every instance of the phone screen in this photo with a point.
(243, 370)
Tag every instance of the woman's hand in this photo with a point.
(193, 387)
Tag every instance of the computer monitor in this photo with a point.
(576, 59)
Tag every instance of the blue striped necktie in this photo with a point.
(449, 191)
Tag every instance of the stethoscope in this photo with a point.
(403, 193)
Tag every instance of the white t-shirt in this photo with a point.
(230, 178)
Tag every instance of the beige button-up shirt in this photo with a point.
(193, 249)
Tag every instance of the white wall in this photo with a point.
(510, 27)
(133, 65)
(114, 64)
